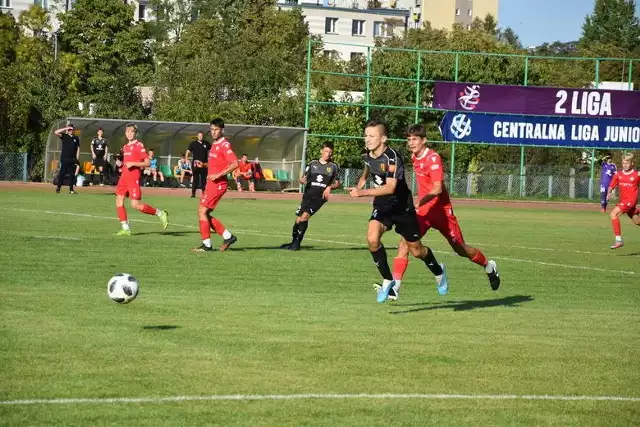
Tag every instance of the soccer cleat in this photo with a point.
(442, 283)
(617, 244)
(384, 292)
(603, 210)
(72, 192)
(202, 248)
(57, 191)
(228, 242)
(295, 245)
(393, 293)
(285, 245)
(124, 233)
(164, 219)
(494, 276)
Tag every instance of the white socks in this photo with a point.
(226, 234)
(125, 225)
(207, 242)
(158, 212)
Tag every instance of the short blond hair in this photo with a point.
(629, 156)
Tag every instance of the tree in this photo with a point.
(110, 53)
(171, 18)
(510, 37)
(612, 22)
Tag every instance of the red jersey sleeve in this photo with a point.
(228, 153)
(614, 181)
(141, 152)
(434, 164)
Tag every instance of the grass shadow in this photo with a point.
(512, 301)
(160, 327)
(304, 248)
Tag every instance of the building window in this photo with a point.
(5, 3)
(468, 26)
(42, 3)
(333, 54)
(357, 28)
(357, 56)
(470, 12)
(457, 12)
(142, 12)
(330, 25)
(382, 29)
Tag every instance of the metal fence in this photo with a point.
(572, 185)
(13, 166)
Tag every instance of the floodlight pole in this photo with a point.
(303, 163)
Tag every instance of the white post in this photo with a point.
(550, 186)
(509, 184)
(25, 158)
(572, 183)
(346, 178)
(469, 179)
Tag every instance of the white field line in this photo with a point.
(309, 396)
(335, 242)
(575, 251)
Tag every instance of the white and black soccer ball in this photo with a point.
(122, 288)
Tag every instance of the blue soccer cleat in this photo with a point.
(441, 281)
(383, 294)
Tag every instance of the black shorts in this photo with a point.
(99, 161)
(311, 205)
(406, 223)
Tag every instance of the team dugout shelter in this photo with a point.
(279, 150)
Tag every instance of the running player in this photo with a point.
(392, 206)
(434, 210)
(320, 177)
(608, 169)
(134, 160)
(222, 161)
(628, 182)
(99, 152)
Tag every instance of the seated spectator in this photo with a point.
(153, 170)
(244, 172)
(257, 171)
(183, 168)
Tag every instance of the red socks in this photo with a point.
(399, 267)
(217, 226)
(616, 227)
(146, 209)
(122, 213)
(205, 232)
(479, 259)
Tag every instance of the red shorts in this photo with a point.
(442, 219)
(213, 192)
(629, 208)
(129, 189)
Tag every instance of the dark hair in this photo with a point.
(377, 123)
(151, 150)
(416, 130)
(327, 144)
(200, 132)
(218, 122)
(244, 154)
(100, 129)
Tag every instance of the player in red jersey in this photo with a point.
(222, 161)
(434, 210)
(134, 160)
(628, 182)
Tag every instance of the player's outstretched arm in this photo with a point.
(58, 132)
(435, 192)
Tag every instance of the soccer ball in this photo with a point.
(122, 288)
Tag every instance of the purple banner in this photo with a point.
(531, 100)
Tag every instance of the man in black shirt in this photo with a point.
(70, 151)
(200, 150)
(392, 206)
(99, 151)
(321, 176)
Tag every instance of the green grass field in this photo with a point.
(261, 321)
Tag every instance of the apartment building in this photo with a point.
(445, 13)
(346, 27)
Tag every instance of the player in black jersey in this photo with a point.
(321, 176)
(99, 151)
(392, 206)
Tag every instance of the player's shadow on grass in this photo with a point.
(304, 248)
(160, 327)
(168, 233)
(512, 301)
(632, 254)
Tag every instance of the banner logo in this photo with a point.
(470, 98)
(460, 126)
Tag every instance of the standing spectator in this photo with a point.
(99, 151)
(245, 171)
(200, 150)
(70, 151)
